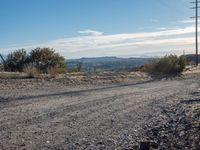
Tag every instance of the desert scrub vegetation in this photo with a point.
(16, 60)
(169, 64)
(46, 58)
(39, 60)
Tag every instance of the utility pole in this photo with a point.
(196, 28)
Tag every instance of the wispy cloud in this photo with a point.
(162, 28)
(95, 43)
(189, 21)
(90, 33)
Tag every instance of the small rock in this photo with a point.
(182, 133)
(154, 145)
(99, 143)
(144, 146)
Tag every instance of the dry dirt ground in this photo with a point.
(54, 114)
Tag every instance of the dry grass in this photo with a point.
(192, 70)
(196, 107)
(11, 75)
(31, 71)
(53, 72)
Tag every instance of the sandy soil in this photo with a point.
(53, 114)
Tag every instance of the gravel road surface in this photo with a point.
(37, 114)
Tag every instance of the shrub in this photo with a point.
(169, 64)
(41, 59)
(46, 58)
(16, 60)
(182, 63)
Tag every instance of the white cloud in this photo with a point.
(90, 33)
(188, 21)
(162, 28)
(96, 44)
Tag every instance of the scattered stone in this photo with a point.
(144, 145)
(154, 145)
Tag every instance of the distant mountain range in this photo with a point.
(107, 63)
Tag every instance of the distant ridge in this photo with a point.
(107, 63)
(192, 57)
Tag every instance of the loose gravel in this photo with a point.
(51, 114)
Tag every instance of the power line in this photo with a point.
(196, 8)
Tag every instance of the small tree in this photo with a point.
(16, 60)
(46, 58)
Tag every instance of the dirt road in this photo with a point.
(51, 115)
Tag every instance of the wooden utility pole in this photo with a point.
(196, 29)
(196, 23)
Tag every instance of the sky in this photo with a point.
(96, 28)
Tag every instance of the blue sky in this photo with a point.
(93, 28)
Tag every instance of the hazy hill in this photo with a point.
(107, 63)
(192, 57)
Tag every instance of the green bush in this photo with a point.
(16, 60)
(182, 63)
(169, 64)
(42, 59)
